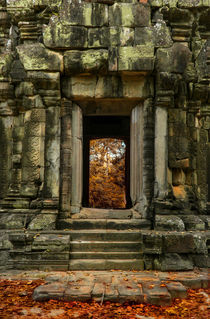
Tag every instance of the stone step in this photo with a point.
(118, 224)
(98, 213)
(104, 255)
(105, 235)
(109, 264)
(106, 246)
(46, 265)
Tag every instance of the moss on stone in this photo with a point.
(37, 57)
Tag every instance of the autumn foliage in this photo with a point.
(16, 302)
(107, 173)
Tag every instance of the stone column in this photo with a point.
(77, 178)
(6, 124)
(161, 152)
(66, 158)
(142, 154)
(136, 160)
(52, 153)
(33, 152)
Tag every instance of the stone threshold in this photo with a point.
(100, 213)
(154, 287)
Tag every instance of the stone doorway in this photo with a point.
(139, 139)
(109, 131)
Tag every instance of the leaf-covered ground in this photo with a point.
(16, 302)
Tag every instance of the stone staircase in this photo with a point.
(106, 239)
(99, 240)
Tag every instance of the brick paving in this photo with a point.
(158, 288)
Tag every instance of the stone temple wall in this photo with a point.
(60, 60)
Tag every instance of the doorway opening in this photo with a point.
(106, 154)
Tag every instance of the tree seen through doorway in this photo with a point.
(107, 173)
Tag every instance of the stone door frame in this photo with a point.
(141, 184)
(136, 164)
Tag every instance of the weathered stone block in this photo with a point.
(152, 243)
(129, 15)
(158, 295)
(99, 15)
(180, 145)
(43, 221)
(24, 88)
(109, 86)
(121, 36)
(51, 242)
(118, 87)
(4, 184)
(61, 36)
(45, 80)
(5, 243)
(141, 15)
(86, 14)
(98, 37)
(169, 223)
(201, 261)
(193, 222)
(32, 102)
(176, 289)
(11, 221)
(121, 15)
(190, 74)
(136, 86)
(4, 256)
(6, 91)
(72, 293)
(74, 14)
(36, 57)
(79, 86)
(49, 291)
(139, 58)
(206, 220)
(174, 59)
(189, 3)
(182, 16)
(17, 237)
(184, 243)
(170, 3)
(162, 36)
(5, 64)
(28, 190)
(90, 61)
(156, 3)
(177, 116)
(172, 262)
(144, 36)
